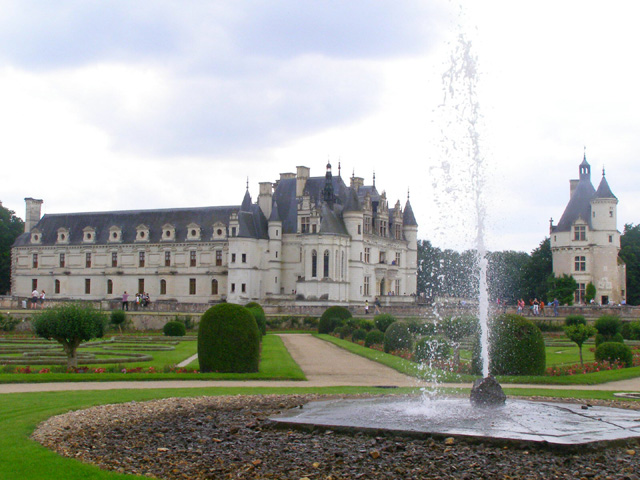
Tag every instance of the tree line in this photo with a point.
(512, 275)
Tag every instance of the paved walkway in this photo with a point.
(324, 365)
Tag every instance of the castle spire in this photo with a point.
(327, 192)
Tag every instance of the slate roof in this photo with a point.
(603, 189)
(408, 218)
(128, 221)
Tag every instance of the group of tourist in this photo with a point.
(141, 300)
(536, 307)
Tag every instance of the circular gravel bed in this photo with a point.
(230, 437)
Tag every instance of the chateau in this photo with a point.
(304, 239)
(585, 243)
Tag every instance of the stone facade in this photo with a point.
(305, 239)
(585, 243)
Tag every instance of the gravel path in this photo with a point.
(230, 437)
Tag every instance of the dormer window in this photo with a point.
(36, 236)
(579, 232)
(142, 233)
(168, 233)
(193, 231)
(89, 235)
(63, 236)
(115, 234)
(219, 231)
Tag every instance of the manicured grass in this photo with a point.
(24, 459)
(410, 368)
(275, 364)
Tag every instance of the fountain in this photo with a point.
(487, 416)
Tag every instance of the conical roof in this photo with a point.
(603, 189)
(408, 218)
(275, 214)
(246, 202)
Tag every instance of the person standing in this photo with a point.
(555, 304)
(366, 307)
(42, 296)
(125, 301)
(34, 298)
(376, 305)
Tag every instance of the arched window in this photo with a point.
(314, 264)
(163, 287)
(214, 287)
(109, 287)
(325, 270)
(56, 286)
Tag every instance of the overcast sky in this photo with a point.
(113, 105)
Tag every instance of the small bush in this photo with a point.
(117, 318)
(8, 323)
(608, 325)
(383, 321)
(174, 329)
(516, 347)
(343, 331)
(358, 335)
(374, 337)
(228, 340)
(420, 328)
(432, 349)
(574, 320)
(458, 328)
(631, 330)
(398, 337)
(331, 318)
(614, 351)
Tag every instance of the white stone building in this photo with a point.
(585, 243)
(305, 239)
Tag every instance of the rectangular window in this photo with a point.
(367, 286)
(35, 260)
(192, 258)
(87, 260)
(87, 286)
(367, 254)
(579, 232)
(243, 287)
(382, 257)
(141, 259)
(56, 286)
(397, 290)
(62, 260)
(244, 258)
(304, 224)
(233, 258)
(141, 285)
(34, 284)
(218, 258)
(397, 260)
(233, 287)
(359, 229)
(610, 238)
(167, 259)
(398, 231)
(367, 225)
(314, 228)
(580, 264)
(580, 293)
(233, 231)
(114, 259)
(192, 286)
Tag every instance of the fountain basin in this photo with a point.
(519, 421)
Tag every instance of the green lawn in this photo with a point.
(275, 364)
(24, 459)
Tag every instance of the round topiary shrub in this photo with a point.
(614, 351)
(331, 318)
(609, 329)
(420, 328)
(574, 319)
(631, 330)
(228, 340)
(516, 347)
(358, 335)
(258, 313)
(174, 329)
(383, 321)
(432, 349)
(374, 337)
(117, 318)
(398, 337)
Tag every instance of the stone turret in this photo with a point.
(33, 213)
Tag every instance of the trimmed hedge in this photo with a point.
(398, 337)
(383, 321)
(516, 347)
(374, 337)
(228, 340)
(174, 329)
(333, 317)
(614, 351)
(358, 335)
(258, 313)
(575, 319)
(609, 329)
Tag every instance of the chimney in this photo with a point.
(357, 182)
(572, 186)
(33, 213)
(265, 197)
(301, 179)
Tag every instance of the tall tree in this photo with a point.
(10, 228)
(630, 254)
(563, 288)
(536, 272)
